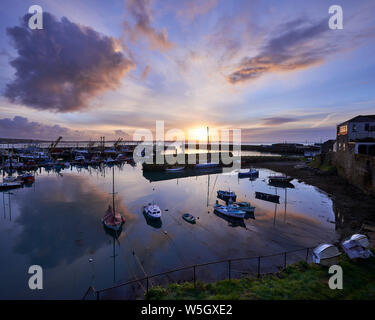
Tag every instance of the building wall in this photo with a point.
(358, 169)
(360, 131)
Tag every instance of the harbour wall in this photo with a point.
(357, 169)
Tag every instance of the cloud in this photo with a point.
(21, 127)
(63, 66)
(140, 11)
(194, 8)
(300, 45)
(273, 121)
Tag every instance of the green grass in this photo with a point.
(300, 281)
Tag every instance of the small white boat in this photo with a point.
(109, 160)
(230, 211)
(153, 211)
(79, 158)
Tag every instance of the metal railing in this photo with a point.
(262, 267)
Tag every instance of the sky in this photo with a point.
(273, 69)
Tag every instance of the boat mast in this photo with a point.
(113, 189)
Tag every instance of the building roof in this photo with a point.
(361, 118)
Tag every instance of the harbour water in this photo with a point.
(56, 223)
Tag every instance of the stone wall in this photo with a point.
(358, 169)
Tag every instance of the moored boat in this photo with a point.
(280, 178)
(251, 173)
(174, 169)
(267, 197)
(10, 185)
(153, 211)
(230, 211)
(113, 220)
(226, 195)
(189, 217)
(244, 206)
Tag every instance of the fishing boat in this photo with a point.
(267, 197)
(153, 211)
(226, 195)
(188, 217)
(244, 206)
(280, 178)
(230, 211)
(12, 179)
(175, 169)
(112, 219)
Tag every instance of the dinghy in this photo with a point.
(188, 217)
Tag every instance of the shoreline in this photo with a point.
(353, 209)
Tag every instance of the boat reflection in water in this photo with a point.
(155, 223)
(232, 222)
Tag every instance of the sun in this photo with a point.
(199, 134)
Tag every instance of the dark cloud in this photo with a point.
(63, 66)
(20, 127)
(299, 45)
(140, 11)
(273, 121)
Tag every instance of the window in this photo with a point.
(367, 126)
(354, 128)
(343, 130)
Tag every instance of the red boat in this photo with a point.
(28, 178)
(113, 220)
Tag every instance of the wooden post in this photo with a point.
(97, 295)
(284, 259)
(229, 267)
(307, 254)
(194, 278)
(147, 284)
(258, 266)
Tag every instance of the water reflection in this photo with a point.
(61, 222)
(57, 224)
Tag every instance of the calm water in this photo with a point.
(56, 224)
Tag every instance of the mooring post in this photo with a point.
(258, 266)
(307, 254)
(194, 277)
(284, 259)
(147, 284)
(229, 266)
(97, 295)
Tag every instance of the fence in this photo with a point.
(208, 272)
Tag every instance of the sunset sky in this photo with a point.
(271, 68)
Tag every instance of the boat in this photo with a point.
(230, 211)
(12, 179)
(174, 169)
(188, 217)
(109, 160)
(112, 219)
(206, 165)
(226, 195)
(28, 178)
(153, 211)
(244, 206)
(251, 173)
(79, 158)
(280, 178)
(267, 197)
(10, 185)
(281, 184)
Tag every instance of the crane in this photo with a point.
(116, 144)
(54, 144)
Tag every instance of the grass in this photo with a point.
(300, 281)
(324, 165)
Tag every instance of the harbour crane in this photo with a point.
(54, 144)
